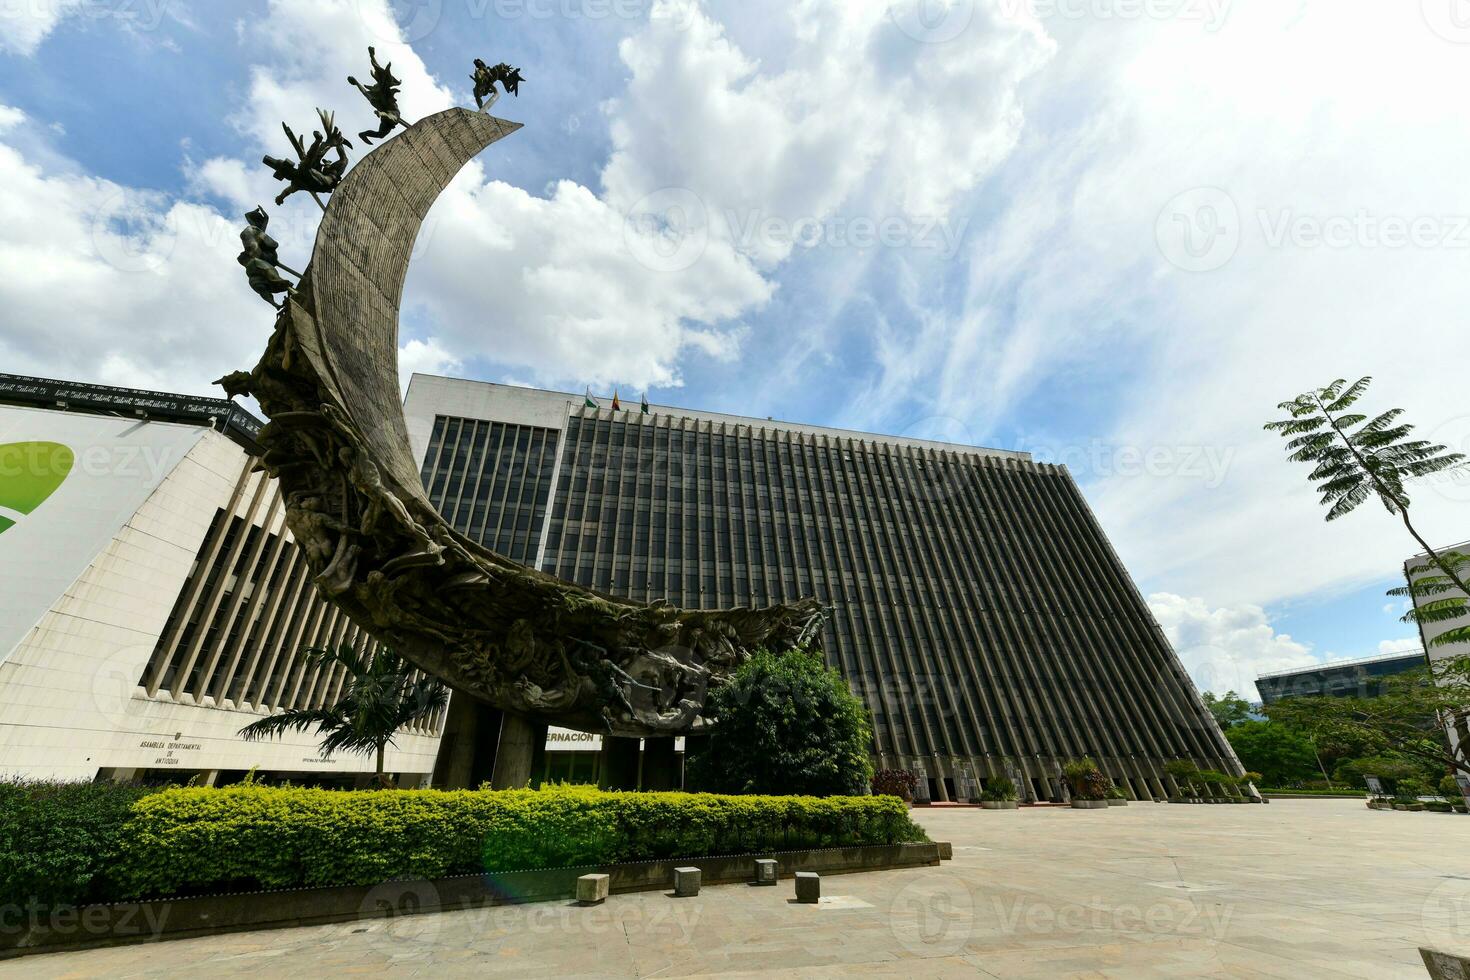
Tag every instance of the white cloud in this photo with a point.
(23, 26)
(10, 117)
(1071, 291)
(127, 287)
(1409, 644)
(1226, 648)
(424, 357)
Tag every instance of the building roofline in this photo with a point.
(752, 421)
(221, 414)
(1333, 664)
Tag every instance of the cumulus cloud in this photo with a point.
(1225, 649)
(1158, 243)
(23, 26)
(424, 357)
(124, 286)
(1409, 644)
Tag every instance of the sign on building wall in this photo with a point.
(68, 484)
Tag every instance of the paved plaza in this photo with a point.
(1302, 888)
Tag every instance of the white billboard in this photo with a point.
(68, 484)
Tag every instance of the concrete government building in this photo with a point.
(152, 601)
(975, 603)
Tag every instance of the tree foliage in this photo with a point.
(382, 694)
(1229, 709)
(1356, 458)
(1404, 720)
(786, 723)
(1281, 755)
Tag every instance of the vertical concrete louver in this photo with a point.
(247, 611)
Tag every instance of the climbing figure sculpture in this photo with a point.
(258, 256)
(485, 79)
(313, 172)
(382, 95)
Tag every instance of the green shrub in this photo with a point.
(1449, 788)
(255, 836)
(1410, 789)
(998, 789)
(56, 838)
(785, 723)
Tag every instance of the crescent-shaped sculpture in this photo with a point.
(513, 637)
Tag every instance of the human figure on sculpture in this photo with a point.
(382, 95)
(485, 79)
(313, 172)
(260, 259)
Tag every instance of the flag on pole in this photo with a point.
(643, 405)
(589, 403)
(616, 406)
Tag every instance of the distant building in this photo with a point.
(1361, 678)
(152, 601)
(1415, 567)
(975, 603)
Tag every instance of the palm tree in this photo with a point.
(382, 695)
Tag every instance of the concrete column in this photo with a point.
(658, 764)
(619, 768)
(516, 751)
(941, 791)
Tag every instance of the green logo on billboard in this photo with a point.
(29, 473)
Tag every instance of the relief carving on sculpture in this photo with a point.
(515, 638)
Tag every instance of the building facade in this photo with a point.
(1417, 567)
(1360, 678)
(152, 601)
(974, 602)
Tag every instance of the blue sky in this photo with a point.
(1111, 234)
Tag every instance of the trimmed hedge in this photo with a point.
(57, 837)
(204, 839)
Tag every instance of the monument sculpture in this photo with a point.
(513, 637)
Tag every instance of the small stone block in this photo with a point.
(592, 889)
(765, 871)
(808, 887)
(686, 881)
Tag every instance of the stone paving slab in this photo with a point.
(1300, 888)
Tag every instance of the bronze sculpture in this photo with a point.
(313, 172)
(508, 635)
(260, 260)
(382, 95)
(485, 79)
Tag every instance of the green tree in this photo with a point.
(785, 724)
(382, 694)
(1229, 709)
(1400, 721)
(1279, 754)
(1356, 458)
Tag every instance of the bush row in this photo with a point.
(201, 839)
(57, 839)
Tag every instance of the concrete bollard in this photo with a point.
(808, 887)
(765, 871)
(686, 881)
(592, 889)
